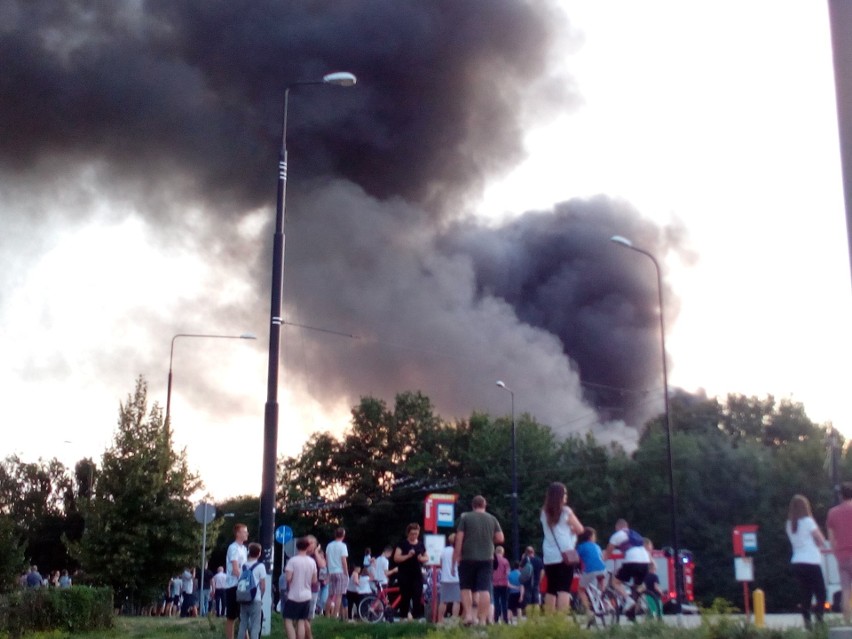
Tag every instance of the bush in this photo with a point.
(75, 609)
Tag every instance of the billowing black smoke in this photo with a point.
(173, 106)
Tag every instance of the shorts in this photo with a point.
(559, 577)
(297, 610)
(232, 606)
(337, 583)
(634, 572)
(450, 592)
(591, 578)
(475, 575)
(175, 599)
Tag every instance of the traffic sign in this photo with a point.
(205, 513)
(283, 534)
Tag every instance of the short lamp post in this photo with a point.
(516, 541)
(623, 241)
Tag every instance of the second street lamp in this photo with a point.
(270, 417)
(516, 541)
(171, 359)
(623, 241)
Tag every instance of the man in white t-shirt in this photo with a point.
(336, 554)
(450, 593)
(220, 581)
(301, 575)
(234, 560)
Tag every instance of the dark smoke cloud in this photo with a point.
(165, 108)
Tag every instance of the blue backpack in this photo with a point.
(246, 584)
(634, 539)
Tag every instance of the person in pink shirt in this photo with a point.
(500, 582)
(839, 524)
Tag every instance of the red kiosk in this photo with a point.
(439, 512)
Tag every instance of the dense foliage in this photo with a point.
(139, 526)
(735, 462)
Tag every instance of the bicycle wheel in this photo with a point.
(612, 604)
(371, 609)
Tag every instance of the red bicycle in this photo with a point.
(380, 606)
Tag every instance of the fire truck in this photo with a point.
(664, 561)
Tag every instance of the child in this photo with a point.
(352, 596)
(516, 593)
(250, 612)
(653, 594)
(594, 569)
(301, 574)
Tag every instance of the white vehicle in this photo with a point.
(832, 580)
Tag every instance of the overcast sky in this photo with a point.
(450, 214)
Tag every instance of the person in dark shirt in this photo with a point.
(653, 593)
(409, 557)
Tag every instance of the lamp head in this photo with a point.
(621, 240)
(501, 384)
(340, 78)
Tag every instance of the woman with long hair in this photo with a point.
(561, 527)
(806, 540)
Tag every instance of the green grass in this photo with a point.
(539, 627)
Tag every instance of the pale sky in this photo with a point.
(718, 117)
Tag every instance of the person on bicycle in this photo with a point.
(636, 559)
(594, 568)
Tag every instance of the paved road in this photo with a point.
(772, 621)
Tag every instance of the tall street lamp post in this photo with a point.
(516, 541)
(623, 241)
(171, 360)
(270, 418)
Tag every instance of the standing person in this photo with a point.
(516, 593)
(34, 579)
(64, 580)
(839, 524)
(476, 536)
(301, 574)
(205, 589)
(500, 583)
(409, 557)
(336, 554)
(806, 539)
(219, 584)
(636, 560)
(314, 552)
(352, 597)
(383, 569)
(235, 558)
(187, 605)
(250, 613)
(174, 588)
(531, 568)
(561, 527)
(450, 592)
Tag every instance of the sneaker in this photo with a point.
(628, 604)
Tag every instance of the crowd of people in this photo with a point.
(32, 578)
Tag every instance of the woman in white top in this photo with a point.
(561, 527)
(806, 540)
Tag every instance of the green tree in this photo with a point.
(38, 497)
(139, 525)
